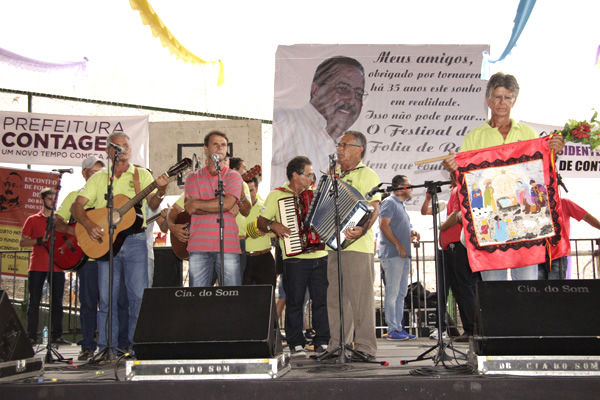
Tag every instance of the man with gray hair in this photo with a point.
(357, 260)
(336, 99)
(131, 262)
(501, 96)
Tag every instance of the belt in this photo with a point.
(258, 253)
(454, 245)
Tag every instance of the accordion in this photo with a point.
(353, 208)
(292, 211)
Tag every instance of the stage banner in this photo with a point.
(412, 102)
(48, 139)
(19, 198)
(576, 160)
(511, 208)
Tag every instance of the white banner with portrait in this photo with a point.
(416, 102)
(48, 139)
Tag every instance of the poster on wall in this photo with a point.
(19, 198)
(49, 139)
(412, 102)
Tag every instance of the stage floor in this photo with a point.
(450, 378)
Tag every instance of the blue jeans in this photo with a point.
(205, 266)
(396, 270)
(88, 299)
(528, 273)
(300, 274)
(131, 265)
(557, 272)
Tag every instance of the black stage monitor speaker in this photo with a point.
(14, 344)
(168, 269)
(207, 323)
(537, 318)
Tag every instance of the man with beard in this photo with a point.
(10, 199)
(336, 99)
(34, 235)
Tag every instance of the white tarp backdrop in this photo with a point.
(421, 100)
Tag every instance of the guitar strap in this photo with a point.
(136, 181)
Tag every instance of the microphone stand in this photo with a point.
(433, 188)
(51, 235)
(109, 353)
(220, 193)
(342, 357)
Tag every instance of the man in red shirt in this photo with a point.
(34, 234)
(558, 268)
(457, 271)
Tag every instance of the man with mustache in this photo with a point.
(10, 199)
(336, 98)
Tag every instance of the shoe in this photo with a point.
(85, 354)
(320, 349)
(435, 333)
(361, 356)
(297, 351)
(60, 341)
(462, 338)
(400, 335)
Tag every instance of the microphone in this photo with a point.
(197, 163)
(117, 148)
(64, 170)
(371, 192)
(215, 158)
(333, 157)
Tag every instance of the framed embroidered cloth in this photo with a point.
(510, 205)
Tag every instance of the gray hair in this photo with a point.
(361, 139)
(500, 79)
(117, 134)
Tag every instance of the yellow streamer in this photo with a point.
(159, 30)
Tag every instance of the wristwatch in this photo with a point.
(269, 225)
(159, 196)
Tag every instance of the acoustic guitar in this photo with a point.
(68, 255)
(183, 218)
(124, 217)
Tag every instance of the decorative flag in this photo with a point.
(510, 205)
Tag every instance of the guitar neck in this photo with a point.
(137, 198)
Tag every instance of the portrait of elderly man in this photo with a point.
(336, 99)
(12, 197)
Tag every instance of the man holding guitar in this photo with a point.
(131, 261)
(34, 235)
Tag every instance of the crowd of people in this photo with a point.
(254, 233)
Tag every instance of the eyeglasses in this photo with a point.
(345, 89)
(308, 175)
(344, 145)
(498, 98)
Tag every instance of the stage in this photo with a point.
(307, 378)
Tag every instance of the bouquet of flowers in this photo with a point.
(583, 131)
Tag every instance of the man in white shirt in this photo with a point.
(336, 98)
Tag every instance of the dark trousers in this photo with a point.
(462, 281)
(298, 275)
(88, 299)
(260, 270)
(36, 285)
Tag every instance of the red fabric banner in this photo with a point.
(510, 205)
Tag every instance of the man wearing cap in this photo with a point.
(34, 235)
(88, 274)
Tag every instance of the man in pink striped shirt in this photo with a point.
(203, 205)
